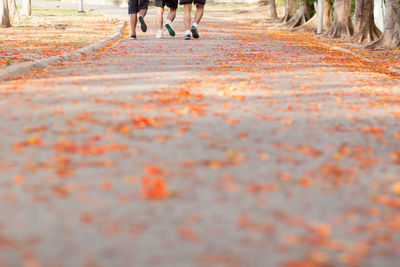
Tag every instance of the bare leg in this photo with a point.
(133, 18)
(172, 14)
(143, 12)
(199, 13)
(187, 16)
(159, 18)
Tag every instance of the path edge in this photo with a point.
(19, 70)
(346, 51)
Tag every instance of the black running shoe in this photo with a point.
(195, 32)
(133, 37)
(186, 37)
(143, 25)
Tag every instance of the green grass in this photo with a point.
(47, 12)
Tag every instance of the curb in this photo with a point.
(27, 67)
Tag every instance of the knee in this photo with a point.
(199, 6)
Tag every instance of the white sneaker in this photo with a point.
(159, 34)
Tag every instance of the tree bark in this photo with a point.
(272, 8)
(342, 27)
(390, 38)
(290, 10)
(4, 15)
(13, 11)
(364, 26)
(302, 15)
(27, 7)
(312, 24)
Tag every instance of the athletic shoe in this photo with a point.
(133, 37)
(195, 32)
(143, 25)
(186, 37)
(159, 34)
(170, 29)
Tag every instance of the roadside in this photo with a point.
(51, 32)
(387, 62)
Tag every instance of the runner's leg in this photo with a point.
(159, 21)
(143, 12)
(199, 13)
(170, 18)
(143, 25)
(133, 10)
(143, 6)
(187, 20)
(159, 18)
(133, 19)
(187, 16)
(171, 14)
(197, 17)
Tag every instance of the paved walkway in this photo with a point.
(266, 152)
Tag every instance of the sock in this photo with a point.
(188, 32)
(169, 22)
(195, 25)
(159, 31)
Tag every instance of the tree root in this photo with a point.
(340, 30)
(369, 35)
(300, 18)
(312, 24)
(385, 42)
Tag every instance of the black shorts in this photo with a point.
(169, 3)
(136, 5)
(184, 2)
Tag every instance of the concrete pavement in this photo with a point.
(272, 152)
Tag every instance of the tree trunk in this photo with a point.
(390, 38)
(302, 15)
(13, 11)
(26, 7)
(290, 10)
(364, 27)
(312, 24)
(273, 13)
(4, 15)
(342, 27)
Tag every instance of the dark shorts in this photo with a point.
(169, 3)
(136, 5)
(184, 2)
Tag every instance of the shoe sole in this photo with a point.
(170, 30)
(186, 38)
(143, 25)
(195, 33)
